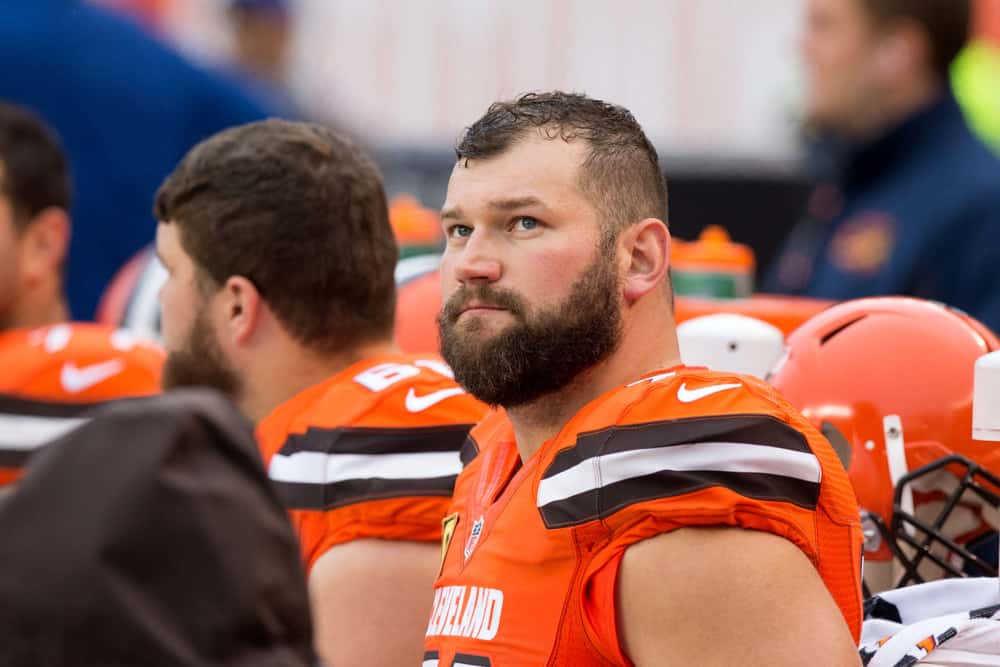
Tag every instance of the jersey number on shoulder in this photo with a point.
(383, 376)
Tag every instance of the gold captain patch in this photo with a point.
(448, 525)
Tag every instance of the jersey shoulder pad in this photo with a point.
(80, 363)
(414, 391)
(380, 430)
(696, 391)
(658, 445)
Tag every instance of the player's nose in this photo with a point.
(477, 261)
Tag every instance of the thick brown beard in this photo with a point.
(537, 355)
(200, 362)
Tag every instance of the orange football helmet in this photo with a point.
(417, 228)
(889, 381)
(418, 302)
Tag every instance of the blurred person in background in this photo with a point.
(263, 34)
(260, 62)
(153, 539)
(52, 372)
(280, 292)
(913, 204)
(126, 107)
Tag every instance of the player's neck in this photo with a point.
(541, 420)
(639, 352)
(31, 312)
(288, 373)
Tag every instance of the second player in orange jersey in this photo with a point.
(371, 453)
(280, 293)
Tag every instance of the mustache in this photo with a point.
(483, 295)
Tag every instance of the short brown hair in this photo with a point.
(947, 24)
(299, 211)
(34, 174)
(621, 173)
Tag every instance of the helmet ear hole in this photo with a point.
(840, 444)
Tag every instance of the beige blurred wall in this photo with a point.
(705, 77)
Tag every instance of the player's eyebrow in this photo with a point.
(510, 204)
(514, 203)
(452, 213)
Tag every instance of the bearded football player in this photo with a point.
(616, 507)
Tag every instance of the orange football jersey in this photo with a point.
(531, 551)
(51, 377)
(372, 452)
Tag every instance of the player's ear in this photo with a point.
(44, 244)
(243, 308)
(645, 248)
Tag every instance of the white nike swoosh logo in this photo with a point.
(416, 403)
(685, 395)
(75, 379)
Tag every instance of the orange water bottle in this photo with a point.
(713, 266)
(417, 228)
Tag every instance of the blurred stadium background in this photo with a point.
(717, 84)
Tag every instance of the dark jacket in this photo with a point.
(916, 212)
(151, 537)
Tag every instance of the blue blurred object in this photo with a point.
(987, 548)
(127, 109)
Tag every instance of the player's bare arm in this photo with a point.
(369, 593)
(727, 596)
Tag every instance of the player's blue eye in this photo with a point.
(461, 231)
(526, 223)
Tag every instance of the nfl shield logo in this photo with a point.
(470, 544)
